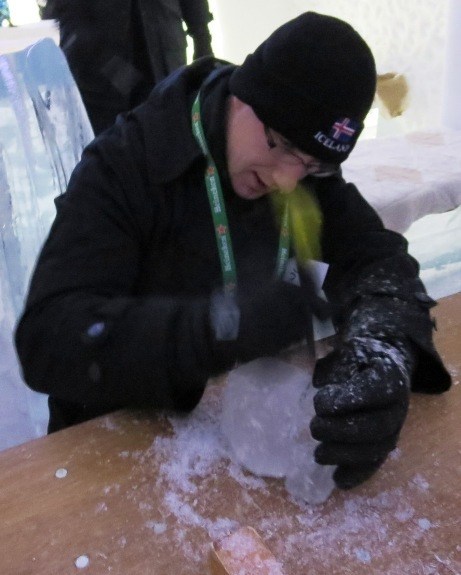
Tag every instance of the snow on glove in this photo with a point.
(267, 319)
(361, 405)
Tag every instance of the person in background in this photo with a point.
(166, 264)
(118, 50)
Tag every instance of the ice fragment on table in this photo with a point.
(82, 562)
(60, 473)
(243, 553)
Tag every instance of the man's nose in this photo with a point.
(287, 176)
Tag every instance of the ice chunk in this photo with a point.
(267, 409)
(306, 479)
(261, 412)
(43, 130)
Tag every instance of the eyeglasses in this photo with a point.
(291, 156)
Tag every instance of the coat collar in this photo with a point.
(164, 119)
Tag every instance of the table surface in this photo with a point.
(143, 494)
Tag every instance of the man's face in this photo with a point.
(258, 159)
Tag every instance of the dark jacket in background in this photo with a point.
(118, 50)
(117, 313)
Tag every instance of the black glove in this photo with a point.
(361, 405)
(267, 319)
(202, 44)
(385, 335)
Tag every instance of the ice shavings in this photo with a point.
(216, 529)
(357, 530)
(454, 372)
(194, 453)
(100, 507)
(424, 524)
(244, 479)
(198, 445)
(362, 555)
(157, 528)
(395, 453)
(108, 423)
(420, 482)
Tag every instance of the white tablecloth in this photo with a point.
(408, 177)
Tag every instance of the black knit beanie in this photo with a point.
(313, 81)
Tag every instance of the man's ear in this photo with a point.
(235, 103)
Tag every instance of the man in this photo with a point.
(148, 285)
(118, 50)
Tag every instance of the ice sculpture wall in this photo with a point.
(43, 129)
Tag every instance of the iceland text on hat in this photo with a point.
(342, 131)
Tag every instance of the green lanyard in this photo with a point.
(218, 212)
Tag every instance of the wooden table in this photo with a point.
(138, 498)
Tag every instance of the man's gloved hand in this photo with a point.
(202, 44)
(267, 319)
(361, 405)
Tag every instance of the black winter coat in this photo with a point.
(117, 313)
(118, 50)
